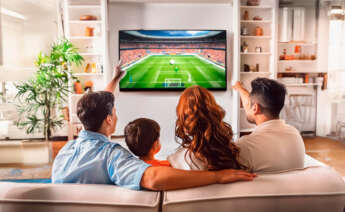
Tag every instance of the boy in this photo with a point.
(142, 138)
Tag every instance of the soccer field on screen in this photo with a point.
(173, 71)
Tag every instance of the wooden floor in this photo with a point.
(328, 151)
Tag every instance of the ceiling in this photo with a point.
(30, 8)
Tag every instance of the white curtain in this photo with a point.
(336, 72)
(336, 59)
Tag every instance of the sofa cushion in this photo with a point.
(310, 161)
(311, 189)
(74, 197)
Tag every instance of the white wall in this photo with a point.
(23, 39)
(161, 106)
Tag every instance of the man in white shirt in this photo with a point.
(273, 145)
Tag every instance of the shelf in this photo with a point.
(297, 43)
(302, 84)
(300, 72)
(85, 22)
(76, 95)
(84, 6)
(256, 37)
(172, 1)
(84, 38)
(297, 61)
(255, 53)
(257, 21)
(90, 54)
(263, 73)
(247, 130)
(88, 74)
(256, 7)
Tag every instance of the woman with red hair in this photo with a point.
(206, 140)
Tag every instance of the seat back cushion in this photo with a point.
(74, 197)
(314, 189)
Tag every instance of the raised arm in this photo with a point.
(244, 95)
(166, 178)
(118, 73)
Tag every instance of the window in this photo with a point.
(27, 27)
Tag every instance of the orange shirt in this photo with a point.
(158, 162)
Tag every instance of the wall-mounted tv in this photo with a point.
(172, 59)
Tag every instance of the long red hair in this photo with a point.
(203, 132)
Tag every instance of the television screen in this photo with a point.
(173, 59)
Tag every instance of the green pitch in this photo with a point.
(156, 71)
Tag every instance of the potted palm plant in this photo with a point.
(42, 98)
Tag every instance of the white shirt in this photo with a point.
(93, 159)
(273, 146)
(182, 159)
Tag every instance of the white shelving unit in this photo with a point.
(94, 48)
(266, 59)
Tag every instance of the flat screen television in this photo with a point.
(172, 59)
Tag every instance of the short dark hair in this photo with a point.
(269, 94)
(140, 135)
(93, 108)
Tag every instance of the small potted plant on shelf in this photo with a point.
(42, 98)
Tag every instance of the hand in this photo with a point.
(118, 71)
(232, 175)
(238, 86)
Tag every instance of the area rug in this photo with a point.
(25, 172)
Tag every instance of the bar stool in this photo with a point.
(340, 127)
(297, 114)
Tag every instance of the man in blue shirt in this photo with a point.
(93, 159)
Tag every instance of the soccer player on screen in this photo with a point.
(176, 69)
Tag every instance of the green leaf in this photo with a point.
(48, 89)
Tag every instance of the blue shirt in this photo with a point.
(93, 159)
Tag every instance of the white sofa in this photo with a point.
(314, 189)
(32, 197)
